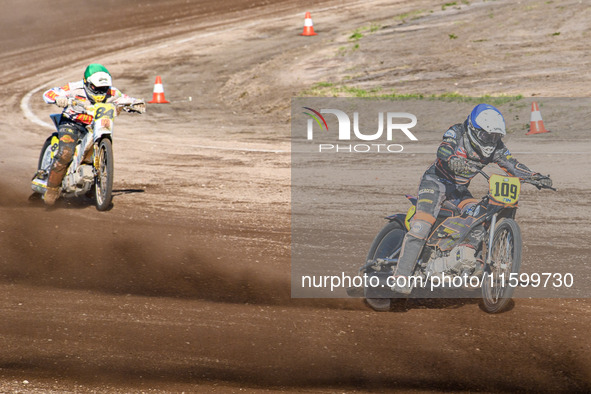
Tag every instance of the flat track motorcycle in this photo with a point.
(498, 255)
(91, 170)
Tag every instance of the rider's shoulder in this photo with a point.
(76, 85)
(115, 92)
(501, 151)
(453, 133)
(68, 87)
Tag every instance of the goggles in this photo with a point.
(488, 138)
(100, 90)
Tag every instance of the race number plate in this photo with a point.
(504, 189)
(105, 114)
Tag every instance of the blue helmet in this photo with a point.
(486, 127)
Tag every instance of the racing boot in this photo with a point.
(51, 196)
(68, 137)
(56, 175)
(411, 248)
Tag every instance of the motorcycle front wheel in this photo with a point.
(505, 260)
(104, 175)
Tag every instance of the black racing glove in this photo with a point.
(459, 165)
(542, 180)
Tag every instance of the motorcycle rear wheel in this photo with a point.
(104, 176)
(45, 156)
(506, 259)
(388, 240)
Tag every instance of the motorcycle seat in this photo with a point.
(448, 209)
(57, 119)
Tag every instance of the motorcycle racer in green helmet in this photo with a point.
(95, 87)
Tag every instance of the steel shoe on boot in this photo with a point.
(402, 284)
(51, 195)
(379, 304)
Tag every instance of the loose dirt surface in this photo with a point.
(184, 285)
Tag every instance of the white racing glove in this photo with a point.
(61, 101)
(140, 107)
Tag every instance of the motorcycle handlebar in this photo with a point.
(84, 107)
(484, 174)
(530, 181)
(538, 184)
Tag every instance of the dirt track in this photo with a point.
(184, 284)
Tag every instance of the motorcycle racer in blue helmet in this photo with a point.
(466, 148)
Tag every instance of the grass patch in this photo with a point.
(493, 100)
(412, 15)
(327, 89)
(356, 35)
(374, 27)
(344, 51)
(444, 6)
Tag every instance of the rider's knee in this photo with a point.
(420, 225)
(467, 205)
(64, 155)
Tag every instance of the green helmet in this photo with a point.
(97, 82)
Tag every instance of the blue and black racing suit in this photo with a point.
(440, 183)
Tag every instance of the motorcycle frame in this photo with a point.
(97, 131)
(493, 213)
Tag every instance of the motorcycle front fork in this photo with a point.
(491, 233)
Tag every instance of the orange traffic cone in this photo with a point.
(308, 26)
(158, 97)
(536, 124)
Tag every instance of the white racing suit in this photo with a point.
(73, 125)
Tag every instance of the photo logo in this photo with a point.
(390, 125)
(315, 117)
